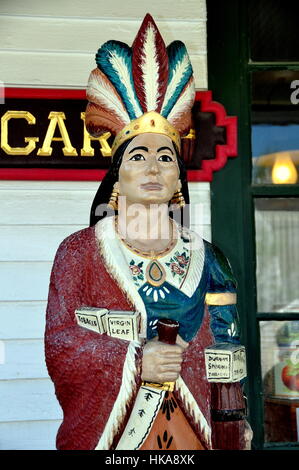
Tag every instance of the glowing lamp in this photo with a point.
(284, 170)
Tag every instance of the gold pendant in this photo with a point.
(155, 273)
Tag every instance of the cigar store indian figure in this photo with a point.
(135, 298)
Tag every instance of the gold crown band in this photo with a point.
(151, 122)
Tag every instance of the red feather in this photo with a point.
(98, 120)
(138, 59)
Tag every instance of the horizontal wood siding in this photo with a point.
(40, 46)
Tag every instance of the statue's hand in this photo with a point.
(162, 362)
(248, 435)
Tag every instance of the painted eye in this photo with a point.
(165, 158)
(138, 157)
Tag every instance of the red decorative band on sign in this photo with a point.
(205, 174)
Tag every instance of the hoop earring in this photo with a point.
(113, 201)
(178, 199)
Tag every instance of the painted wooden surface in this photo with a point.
(24, 359)
(53, 44)
(34, 218)
(97, 9)
(59, 41)
(22, 319)
(62, 33)
(64, 70)
(26, 399)
(28, 435)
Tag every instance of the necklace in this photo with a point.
(155, 273)
(151, 254)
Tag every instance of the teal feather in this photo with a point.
(180, 71)
(114, 59)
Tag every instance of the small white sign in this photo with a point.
(225, 362)
(123, 325)
(116, 323)
(92, 318)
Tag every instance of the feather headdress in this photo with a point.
(143, 88)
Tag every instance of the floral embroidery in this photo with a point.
(175, 268)
(137, 271)
(182, 260)
(178, 263)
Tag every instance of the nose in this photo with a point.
(153, 166)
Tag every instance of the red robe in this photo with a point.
(88, 369)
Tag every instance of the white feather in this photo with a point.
(99, 91)
(179, 71)
(149, 69)
(121, 69)
(184, 102)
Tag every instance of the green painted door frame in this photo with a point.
(232, 211)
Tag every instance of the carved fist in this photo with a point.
(162, 362)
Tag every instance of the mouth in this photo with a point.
(152, 186)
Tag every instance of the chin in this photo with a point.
(154, 200)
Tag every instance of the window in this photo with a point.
(253, 66)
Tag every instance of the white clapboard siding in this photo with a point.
(55, 46)
(62, 33)
(181, 9)
(24, 359)
(31, 400)
(24, 280)
(21, 319)
(65, 70)
(32, 242)
(200, 210)
(42, 208)
(28, 435)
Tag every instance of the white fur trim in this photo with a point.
(117, 266)
(118, 412)
(193, 409)
(197, 259)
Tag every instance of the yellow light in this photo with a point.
(284, 170)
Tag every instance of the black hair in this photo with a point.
(99, 208)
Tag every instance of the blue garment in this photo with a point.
(216, 277)
(176, 305)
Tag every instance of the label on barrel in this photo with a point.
(225, 362)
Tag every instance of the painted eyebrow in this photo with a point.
(165, 148)
(146, 149)
(139, 148)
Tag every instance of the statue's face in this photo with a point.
(149, 172)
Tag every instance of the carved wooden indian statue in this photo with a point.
(142, 334)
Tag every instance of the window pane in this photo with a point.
(275, 127)
(277, 270)
(273, 30)
(280, 374)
